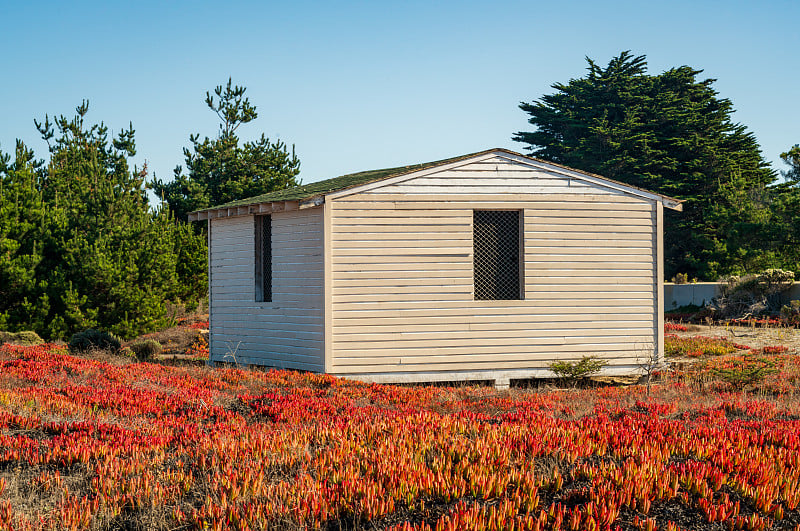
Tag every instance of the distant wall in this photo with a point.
(701, 293)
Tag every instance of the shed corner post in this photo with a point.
(659, 270)
(210, 361)
(327, 299)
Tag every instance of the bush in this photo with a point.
(680, 278)
(744, 371)
(94, 340)
(146, 350)
(752, 295)
(26, 338)
(29, 337)
(572, 371)
(791, 312)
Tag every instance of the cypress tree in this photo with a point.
(669, 133)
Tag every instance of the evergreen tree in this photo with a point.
(792, 158)
(221, 170)
(787, 209)
(22, 214)
(669, 133)
(84, 250)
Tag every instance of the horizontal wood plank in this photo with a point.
(292, 324)
(419, 321)
(534, 306)
(470, 201)
(494, 364)
(368, 337)
(534, 203)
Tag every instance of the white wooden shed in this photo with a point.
(487, 266)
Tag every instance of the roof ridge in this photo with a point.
(305, 192)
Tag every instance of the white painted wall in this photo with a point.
(402, 287)
(287, 332)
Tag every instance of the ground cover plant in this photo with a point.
(695, 346)
(107, 443)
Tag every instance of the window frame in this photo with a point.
(520, 263)
(264, 289)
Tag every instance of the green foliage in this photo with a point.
(672, 134)
(791, 312)
(146, 350)
(80, 247)
(744, 371)
(792, 158)
(221, 170)
(22, 215)
(25, 337)
(786, 210)
(680, 278)
(92, 339)
(575, 370)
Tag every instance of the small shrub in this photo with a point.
(744, 371)
(572, 371)
(680, 278)
(25, 338)
(94, 340)
(28, 338)
(752, 295)
(146, 350)
(791, 312)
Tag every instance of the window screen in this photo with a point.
(496, 235)
(263, 275)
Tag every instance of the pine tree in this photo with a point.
(83, 249)
(786, 219)
(22, 213)
(792, 158)
(669, 133)
(221, 169)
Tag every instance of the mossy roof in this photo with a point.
(308, 191)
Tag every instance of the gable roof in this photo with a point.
(306, 193)
(337, 184)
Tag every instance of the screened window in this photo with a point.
(496, 249)
(263, 258)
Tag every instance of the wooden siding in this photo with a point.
(402, 287)
(287, 332)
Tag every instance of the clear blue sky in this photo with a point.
(364, 85)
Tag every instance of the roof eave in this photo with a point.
(255, 208)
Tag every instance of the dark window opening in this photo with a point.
(263, 258)
(496, 249)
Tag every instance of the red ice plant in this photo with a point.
(233, 449)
